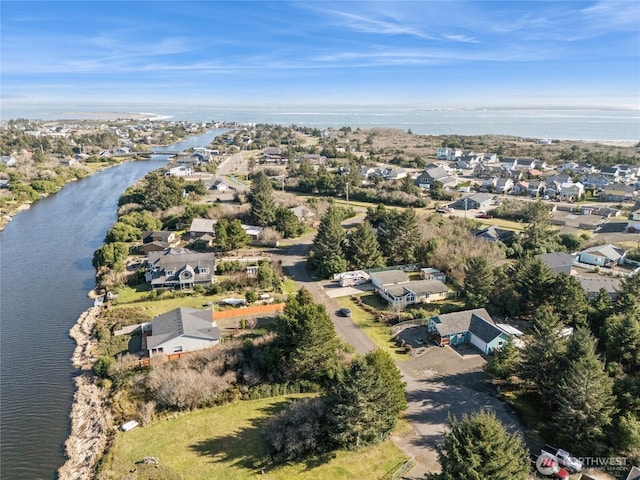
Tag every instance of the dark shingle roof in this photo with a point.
(183, 321)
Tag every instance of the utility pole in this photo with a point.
(465, 207)
(347, 186)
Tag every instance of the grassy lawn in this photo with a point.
(379, 333)
(225, 442)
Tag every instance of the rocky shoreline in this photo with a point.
(90, 419)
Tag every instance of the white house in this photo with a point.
(602, 255)
(571, 191)
(180, 171)
(182, 330)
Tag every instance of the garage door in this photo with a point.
(478, 342)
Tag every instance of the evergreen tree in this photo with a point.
(599, 309)
(287, 223)
(221, 231)
(621, 339)
(237, 236)
(364, 250)
(569, 299)
(542, 356)
(584, 397)
(327, 253)
(533, 282)
(364, 404)
(504, 362)
(307, 339)
(399, 236)
(478, 447)
(478, 283)
(263, 208)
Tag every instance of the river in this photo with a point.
(45, 275)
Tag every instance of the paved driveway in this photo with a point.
(442, 382)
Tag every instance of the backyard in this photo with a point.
(226, 442)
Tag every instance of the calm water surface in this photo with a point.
(45, 275)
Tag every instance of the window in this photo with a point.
(168, 273)
(177, 349)
(203, 270)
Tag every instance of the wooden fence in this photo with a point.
(248, 312)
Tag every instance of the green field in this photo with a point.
(226, 443)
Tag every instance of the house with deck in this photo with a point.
(180, 269)
(181, 330)
(475, 327)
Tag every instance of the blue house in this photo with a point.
(475, 327)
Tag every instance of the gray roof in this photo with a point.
(202, 225)
(182, 321)
(460, 322)
(609, 251)
(558, 262)
(484, 330)
(423, 287)
(595, 284)
(390, 277)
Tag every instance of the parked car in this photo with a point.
(563, 458)
(344, 312)
(483, 215)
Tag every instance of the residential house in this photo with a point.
(302, 213)
(180, 171)
(595, 181)
(394, 173)
(254, 232)
(438, 174)
(593, 285)
(219, 185)
(603, 255)
(470, 160)
(182, 330)
(613, 173)
(475, 201)
(618, 193)
(503, 185)
(489, 184)
(155, 246)
(419, 291)
(4, 183)
(525, 164)
(568, 167)
(633, 225)
(629, 173)
(158, 236)
(520, 188)
(490, 159)
(179, 268)
(535, 187)
(449, 153)
(493, 233)
(508, 162)
(429, 273)
(558, 262)
(571, 191)
(475, 327)
(201, 226)
(387, 278)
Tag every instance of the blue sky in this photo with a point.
(423, 53)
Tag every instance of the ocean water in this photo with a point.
(552, 123)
